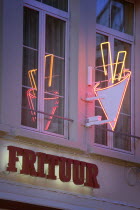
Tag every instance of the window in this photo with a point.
(44, 75)
(112, 15)
(115, 14)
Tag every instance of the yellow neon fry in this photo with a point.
(122, 67)
(31, 74)
(51, 68)
(110, 58)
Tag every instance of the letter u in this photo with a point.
(78, 172)
(65, 169)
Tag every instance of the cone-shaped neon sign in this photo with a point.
(111, 97)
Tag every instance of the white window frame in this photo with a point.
(44, 10)
(114, 34)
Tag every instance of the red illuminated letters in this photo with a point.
(13, 153)
(78, 172)
(29, 158)
(81, 172)
(65, 169)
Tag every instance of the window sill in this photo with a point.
(110, 153)
(49, 138)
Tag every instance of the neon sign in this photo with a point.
(31, 93)
(112, 96)
(51, 68)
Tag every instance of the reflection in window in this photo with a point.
(103, 12)
(49, 95)
(124, 121)
(30, 63)
(54, 89)
(115, 14)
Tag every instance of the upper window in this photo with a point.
(44, 75)
(59, 4)
(115, 14)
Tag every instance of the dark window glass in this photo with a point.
(59, 4)
(103, 12)
(123, 126)
(30, 28)
(124, 121)
(30, 66)
(116, 14)
(54, 74)
(55, 36)
(100, 130)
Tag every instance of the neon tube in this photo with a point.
(31, 74)
(51, 117)
(31, 92)
(122, 67)
(119, 108)
(51, 68)
(30, 98)
(103, 58)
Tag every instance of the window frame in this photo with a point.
(114, 34)
(44, 10)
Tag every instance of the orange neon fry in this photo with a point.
(117, 62)
(51, 68)
(30, 98)
(31, 92)
(51, 117)
(103, 58)
(31, 74)
(55, 94)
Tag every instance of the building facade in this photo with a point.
(50, 60)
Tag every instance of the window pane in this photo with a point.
(59, 4)
(54, 105)
(124, 121)
(121, 15)
(29, 104)
(122, 46)
(55, 82)
(55, 36)
(103, 12)
(123, 126)
(100, 132)
(54, 74)
(30, 28)
(30, 64)
(115, 14)
(30, 68)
